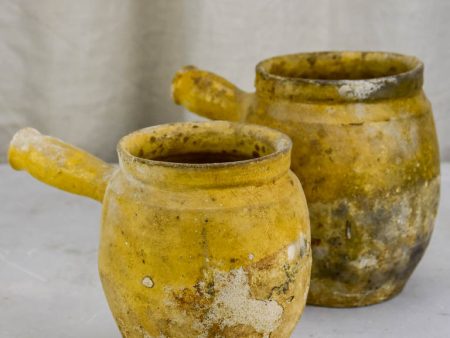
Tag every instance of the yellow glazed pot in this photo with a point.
(365, 150)
(205, 230)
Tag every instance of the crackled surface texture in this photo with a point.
(366, 153)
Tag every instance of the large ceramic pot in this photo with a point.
(205, 230)
(365, 150)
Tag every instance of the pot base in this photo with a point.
(334, 299)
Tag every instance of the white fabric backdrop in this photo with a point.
(89, 71)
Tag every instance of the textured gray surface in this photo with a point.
(49, 285)
(90, 71)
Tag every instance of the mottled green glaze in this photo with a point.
(365, 150)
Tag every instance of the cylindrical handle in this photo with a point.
(209, 95)
(59, 164)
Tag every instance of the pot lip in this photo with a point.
(282, 145)
(417, 69)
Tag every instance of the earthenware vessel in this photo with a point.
(205, 230)
(365, 150)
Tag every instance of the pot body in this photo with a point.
(183, 260)
(370, 172)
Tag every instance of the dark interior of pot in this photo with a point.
(203, 157)
(339, 65)
(200, 143)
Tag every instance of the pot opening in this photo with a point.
(205, 154)
(203, 157)
(204, 144)
(188, 147)
(339, 65)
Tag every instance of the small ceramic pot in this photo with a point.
(205, 230)
(365, 150)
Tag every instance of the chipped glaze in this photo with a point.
(147, 282)
(365, 150)
(192, 249)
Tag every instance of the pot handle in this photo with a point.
(210, 95)
(59, 164)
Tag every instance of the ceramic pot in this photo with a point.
(205, 230)
(365, 150)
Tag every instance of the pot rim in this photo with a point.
(174, 175)
(398, 84)
(282, 144)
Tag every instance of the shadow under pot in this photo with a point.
(205, 230)
(365, 150)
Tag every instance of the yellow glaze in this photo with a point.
(56, 163)
(211, 249)
(365, 150)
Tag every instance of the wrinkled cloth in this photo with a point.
(90, 71)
